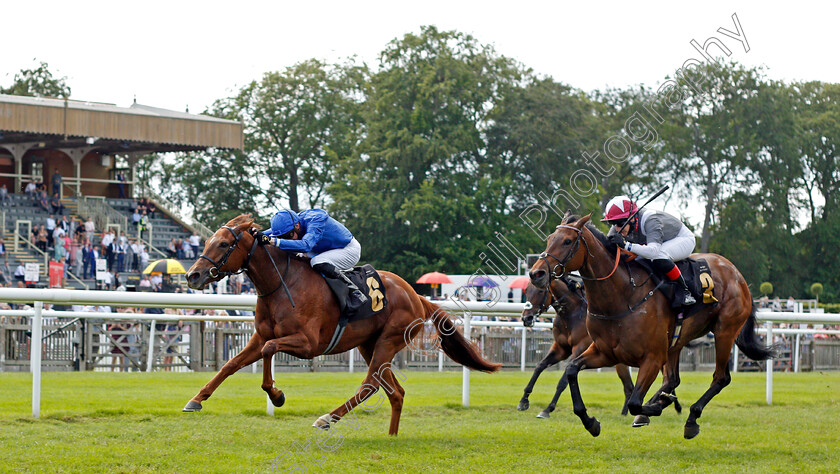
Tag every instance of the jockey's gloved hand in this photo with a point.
(619, 240)
(263, 239)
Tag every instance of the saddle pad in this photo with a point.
(370, 283)
(698, 277)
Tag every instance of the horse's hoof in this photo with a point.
(691, 430)
(595, 428)
(280, 400)
(641, 420)
(523, 405)
(323, 422)
(677, 406)
(191, 406)
(545, 414)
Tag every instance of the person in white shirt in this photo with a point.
(50, 231)
(195, 241)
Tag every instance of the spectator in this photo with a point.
(135, 218)
(88, 260)
(3, 252)
(41, 240)
(58, 246)
(790, 305)
(107, 242)
(172, 248)
(78, 258)
(56, 182)
(121, 248)
(144, 282)
(44, 201)
(195, 241)
(144, 258)
(56, 206)
(20, 273)
(150, 208)
(78, 231)
(186, 249)
(136, 249)
(31, 190)
(121, 183)
(777, 304)
(90, 228)
(144, 224)
(4, 194)
(64, 224)
(50, 230)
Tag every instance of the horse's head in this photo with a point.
(558, 294)
(227, 252)
(563, 252)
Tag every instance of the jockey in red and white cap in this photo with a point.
(654, 235)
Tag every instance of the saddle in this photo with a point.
(698, 277)
(367, 279)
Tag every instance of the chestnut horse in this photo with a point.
(570, 337)
(297, 314)
(636, 327)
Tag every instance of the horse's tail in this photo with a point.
(453, 342)
(750, 344)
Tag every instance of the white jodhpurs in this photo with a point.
(343, 259)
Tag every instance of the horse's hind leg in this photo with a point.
(247, 356)
(721, 378)
(554, 355)
(666, 394)
(648, 370)
(627, 382)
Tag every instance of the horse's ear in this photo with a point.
(566, 216)
(582, 221)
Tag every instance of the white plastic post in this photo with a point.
(734, 358)
(769, 366)
(796, 354)
(522, 363)
(35, 348)
(440, 360)
(352, 359)
(465, 383)
(269, 407)
(150, 358)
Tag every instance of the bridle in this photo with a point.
(561, 263)
(216, 269)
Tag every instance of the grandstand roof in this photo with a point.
(60, 123)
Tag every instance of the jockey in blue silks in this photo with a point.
(331, 246)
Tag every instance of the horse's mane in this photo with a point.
(243, 219)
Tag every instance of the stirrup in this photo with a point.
(689, 299)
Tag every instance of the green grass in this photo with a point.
(103, 422)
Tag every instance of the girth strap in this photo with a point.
(339, 331)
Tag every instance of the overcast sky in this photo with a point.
(179, 54)
(176, 54)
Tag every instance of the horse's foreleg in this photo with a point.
(627, 382)
(648, 371)
(591, 358)
(721, 378)
(247, 356)
(554, 355)
(296, 342)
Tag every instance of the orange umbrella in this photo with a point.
(521, 282)
(434, 277)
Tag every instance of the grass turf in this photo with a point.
(130, 422)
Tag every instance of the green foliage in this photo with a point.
(38, 82)
(816, 289)
(766, 288)
(417, 194)
(830, 307)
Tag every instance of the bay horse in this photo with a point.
(296, 313)
(570, 337)
(634, 324)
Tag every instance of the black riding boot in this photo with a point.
(356, 298)
(671, 272)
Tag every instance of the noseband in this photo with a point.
(217, 266)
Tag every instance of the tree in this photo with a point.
(816, 290)
(38, 82)
(298, 124)
(416, 194)
(738, 236)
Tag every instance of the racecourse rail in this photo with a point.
(248, 303)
